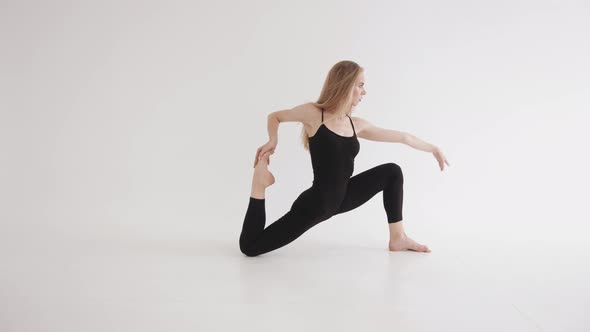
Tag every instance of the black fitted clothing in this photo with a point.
(332, 192)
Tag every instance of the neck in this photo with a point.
(337, 115)
(343, 116)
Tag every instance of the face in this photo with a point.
(358, 91)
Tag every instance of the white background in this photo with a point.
(128, 131)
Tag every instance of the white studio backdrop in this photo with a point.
(129, 120)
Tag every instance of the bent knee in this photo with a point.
(248, 251)
(396, 171)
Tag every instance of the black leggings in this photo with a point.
(256, 240)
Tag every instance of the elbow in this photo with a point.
(273, 115)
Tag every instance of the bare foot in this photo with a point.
(403, 242)
(262, 176)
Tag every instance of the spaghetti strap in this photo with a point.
(354, 131)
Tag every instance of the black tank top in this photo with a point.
(332, 155)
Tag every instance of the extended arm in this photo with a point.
(371, 132)
(368, 131)
(419, 144)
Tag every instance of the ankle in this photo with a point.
(397, 236)
(396, 230)
(257, 191)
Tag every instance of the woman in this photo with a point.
(331, 136)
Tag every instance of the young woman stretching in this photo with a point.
(331, 136)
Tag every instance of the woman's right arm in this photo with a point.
(301, 113)
(273, 127)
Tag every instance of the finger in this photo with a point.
(256, 156)
(267, 157)
(259, 155)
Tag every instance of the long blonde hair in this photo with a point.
(336, 95)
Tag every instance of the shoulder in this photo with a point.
(307, 107)
(310, 112)
(361, 124)
(311, 107)
(359, 120)
(368, 130)
(304, 113)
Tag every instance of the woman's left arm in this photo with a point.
(419, 144)
(371, 132)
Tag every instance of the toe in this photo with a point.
(421, 247)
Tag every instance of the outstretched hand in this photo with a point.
(440, 157)
(268, 147)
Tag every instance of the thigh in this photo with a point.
(365, 185)
(311, 203)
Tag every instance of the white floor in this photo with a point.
(208, 285)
